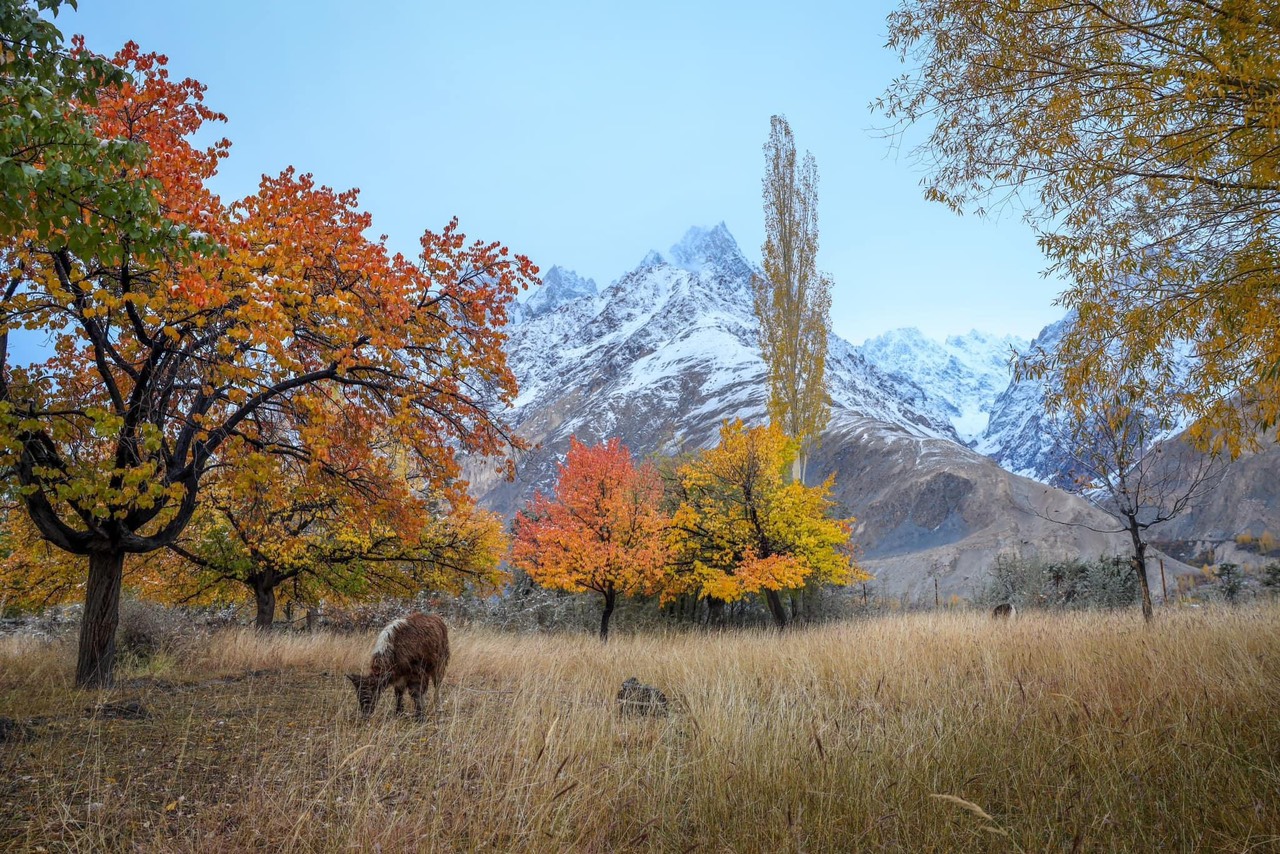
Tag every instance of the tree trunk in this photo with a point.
(715, 611)
(95, 663)
(1140, 569)
(610, 598)
(264, 597)
(779, 611)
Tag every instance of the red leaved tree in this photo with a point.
(603, 531)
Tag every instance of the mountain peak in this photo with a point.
(652, 259)
(559, 286)
(703, 246)
(560, 278)
(710, 250)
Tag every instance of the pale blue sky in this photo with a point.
(585, 134)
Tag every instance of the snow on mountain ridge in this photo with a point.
(559, 286)
(964, 373)
(679, 331)
(1020, 436)
(1017, 436)
(702, 249)
(667, 352)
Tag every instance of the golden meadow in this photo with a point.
(912, 732)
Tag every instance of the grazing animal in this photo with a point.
(637, 699)
(1004, 611)
(409, 652)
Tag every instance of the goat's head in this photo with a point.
(368, 689)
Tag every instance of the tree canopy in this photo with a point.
(793, 299)
(741, 529)
(1142, 139)
(342, 524)
(602, 531)
(170, 343)
(53, 165)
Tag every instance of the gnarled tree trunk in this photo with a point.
(264, 596)
(95, 662)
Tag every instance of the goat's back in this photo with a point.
(418, 643)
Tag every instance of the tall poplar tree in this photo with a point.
(793, 299)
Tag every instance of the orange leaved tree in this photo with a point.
(344, 523)
(742, 529)
(167, 350)
(603, 530)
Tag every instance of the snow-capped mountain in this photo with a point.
(669, 350)
(1017, 436)
(678, 330)
(665, 353)
(964, 373)
(559, 286)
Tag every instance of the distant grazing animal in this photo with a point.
(409, 652)
(637, 699)
(1004, 611)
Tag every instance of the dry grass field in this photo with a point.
(930, 732)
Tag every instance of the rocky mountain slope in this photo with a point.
(1244, 503)
(1246, 500)
(665, 353)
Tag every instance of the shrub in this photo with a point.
(1271, 575)
(1230, 581)
(147, 629)
(1108, 582)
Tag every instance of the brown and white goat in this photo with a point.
(410, 652)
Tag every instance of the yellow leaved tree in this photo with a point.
(1142, 139)
(741, 529)
(792, 299)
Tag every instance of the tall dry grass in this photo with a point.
(937, 732)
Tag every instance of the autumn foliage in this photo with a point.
(1142, 139)
(792, 300)
(602, 531)
(176, 338)
(741, 528)
(727, 525)
(341, 525)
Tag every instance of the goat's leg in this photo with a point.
(399, 699)
(435, 682)
(416, 694)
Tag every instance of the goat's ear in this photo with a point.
(355, 680)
